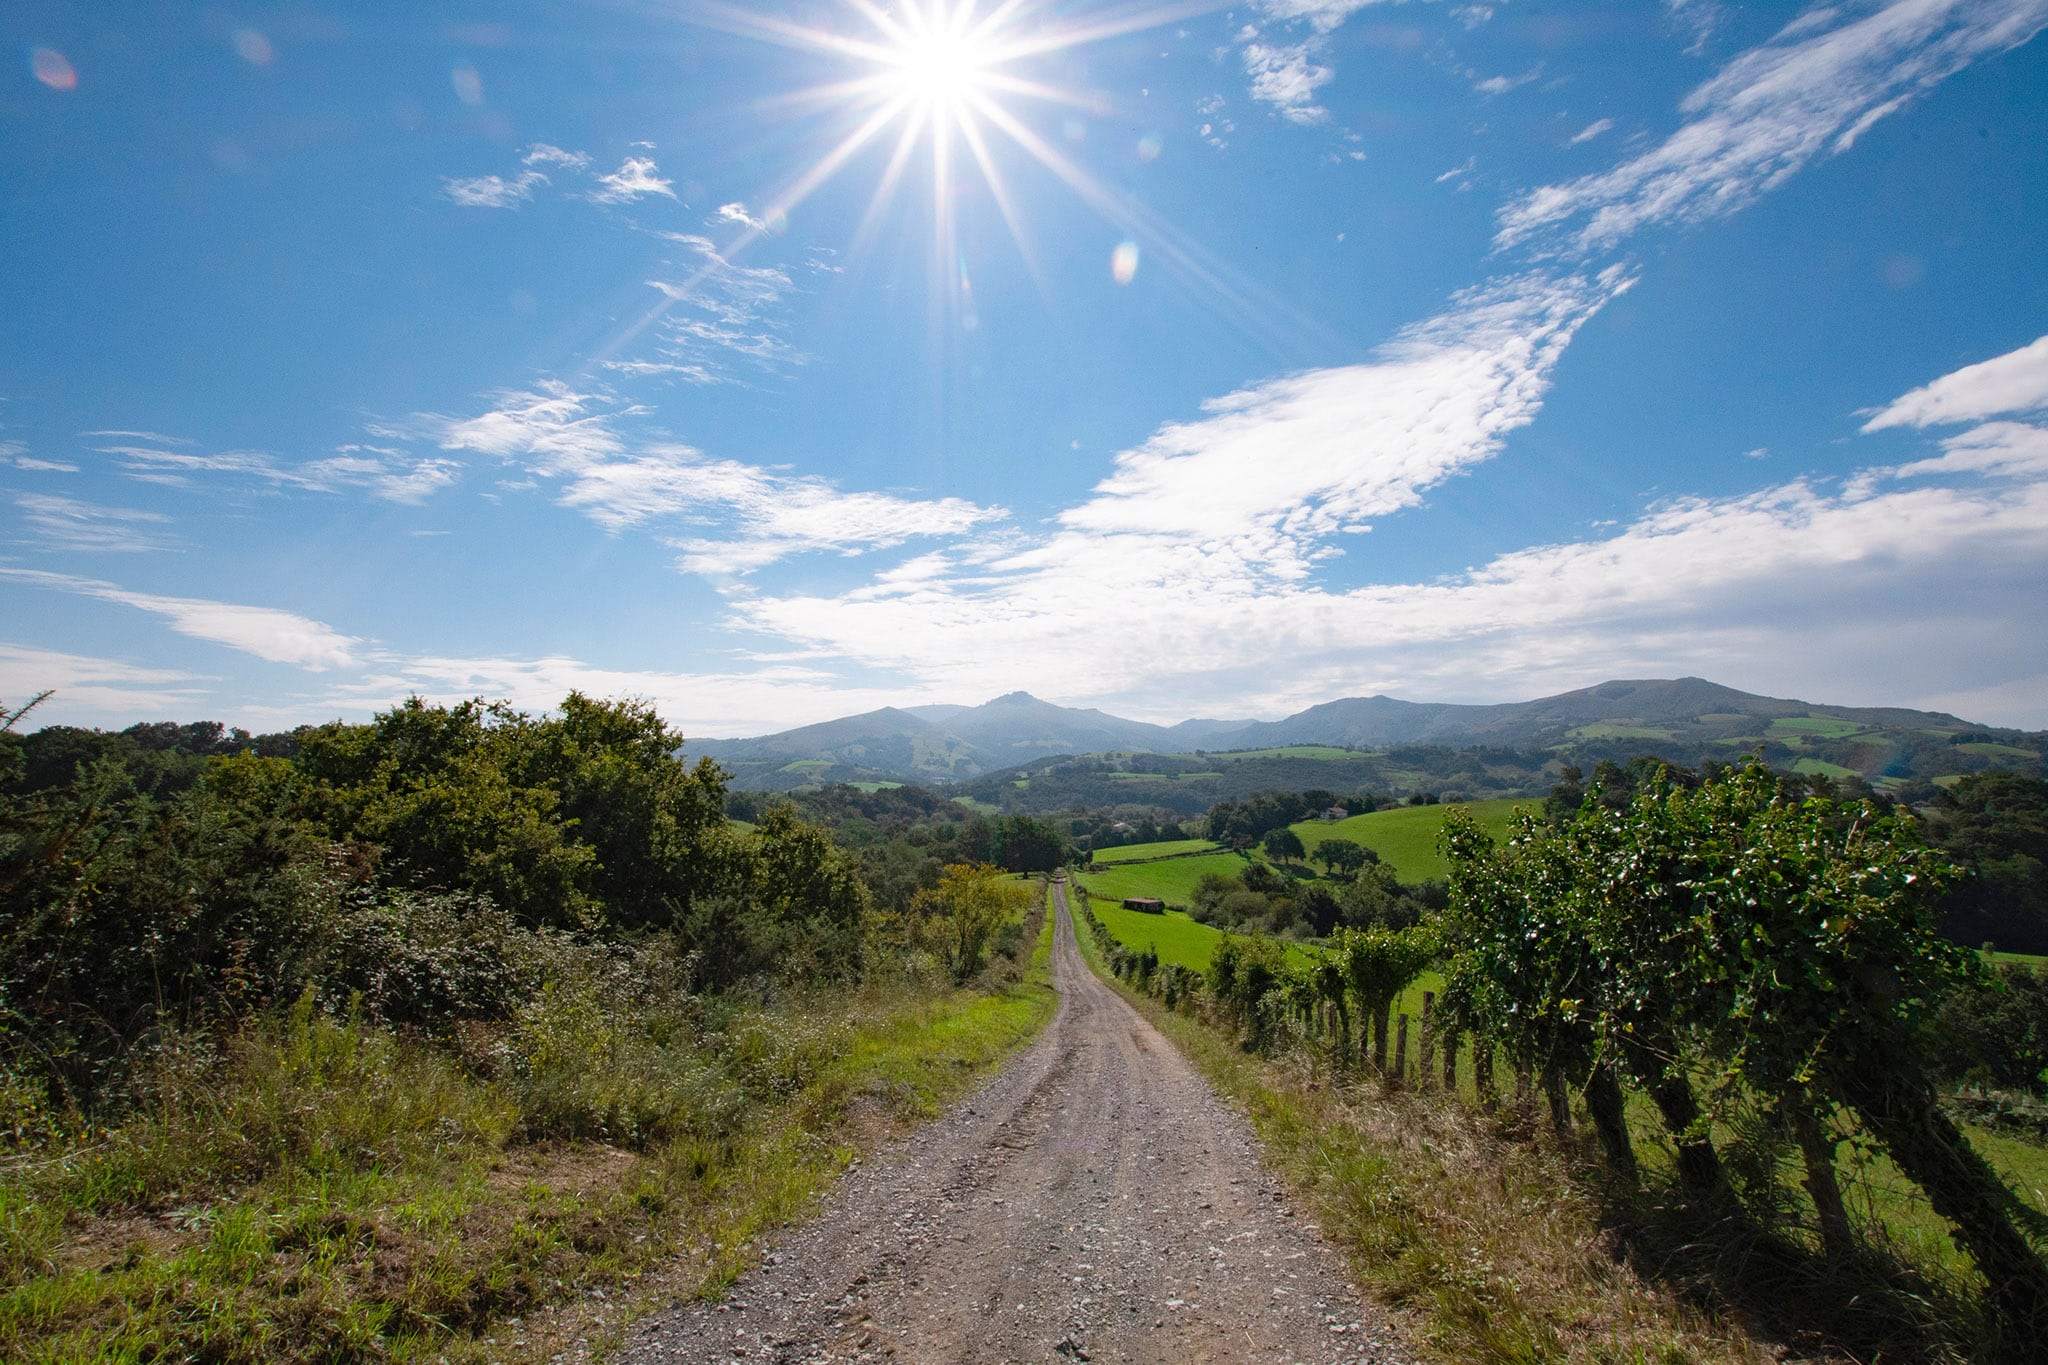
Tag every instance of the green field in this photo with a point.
(1607, 730)
(1821, 727)
(1286, 751)
(1809, 766)
(874, 786)
(1176, 937)
(1999, 751)
(1405, 837)
(1131, 853)
(1172, 881)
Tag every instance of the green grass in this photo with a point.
(872, 787)
(1172, 881)
(1609, 730)
(1810, 766)
(2002, 751)
(2032, 960)
(806, 765)
(325, 1191)
(1820, 727)
(1168, 848)
(1489, 1251)
(1405, 837)
(1286, 751)
(1176, 937)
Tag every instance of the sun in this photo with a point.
(941, 68)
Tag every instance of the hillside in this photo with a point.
(1021, 753)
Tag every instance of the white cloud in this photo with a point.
(1287, 78)
(1810, 91)
(2003, 449)
(1792, 589)
(2014, 382)
(1463, 169)
(757, 516)
(67, 524)
(1592, 130)
(636, 178)
(542, 154)
(382, 471)
(268, 633)
(493, 191)
(45, 466)
(1322, 15)
(1305, 456)
(737, 213)
(88, 689)
(727, 311)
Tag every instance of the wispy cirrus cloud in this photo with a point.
(383, 471)
(89, 689)
(1812, 91)
(1288, 70)
(753, 516)
(69, 524)
(720, 312)
(493, 191)
(268, 633)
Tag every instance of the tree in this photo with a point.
(1282, 843)
(1343, 855)
(1378, 964)
(969, 904)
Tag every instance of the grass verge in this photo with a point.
(318, 1189)
(1491, 1250)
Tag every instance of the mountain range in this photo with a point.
(943, 744)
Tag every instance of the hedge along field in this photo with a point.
(1177, 938)
(1405, 837)
(1170, 848)
(1172, 881)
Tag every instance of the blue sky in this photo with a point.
(780, 361)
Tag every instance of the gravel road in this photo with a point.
(1093, 1202)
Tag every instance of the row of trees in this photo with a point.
(1731, 944)
(455, 842)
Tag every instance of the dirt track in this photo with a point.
(1094, 1202)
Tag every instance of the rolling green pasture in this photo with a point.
(1172, 881)
(1286, 751)
(1131, 853)
(1176, 937)
(1999, 751)
(1809, 766)
(872, 787)
(1405, 837)
(1820, 727)
(1609, 730)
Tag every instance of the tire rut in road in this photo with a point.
(1095, 1201)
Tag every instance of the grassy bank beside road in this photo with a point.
(329, 1191)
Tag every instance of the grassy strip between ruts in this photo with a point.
(396, 1218)
(1487, 1250)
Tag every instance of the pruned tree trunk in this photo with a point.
(1379, 1039)
(1482, 1074)
(1451, 1062)
(1399, 1075)
(1559, 1097)
(1608, 1110)
(1699, 1165)
(1901, 1112)
(1817, 1148)
(1426, 1067)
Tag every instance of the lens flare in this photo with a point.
(1123, 262)
(48, 66)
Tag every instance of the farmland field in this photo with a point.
(1286, 751)
(1176, 937)
(1129, 853)
(1821, 727)
(1405, 837)
(1172, 881)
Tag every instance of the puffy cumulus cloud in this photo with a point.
(1792, 589)
(754, 516)
(1813, 90)
(268, 633)
(2014, 382)
(636, 178)
(1287, 77)
(2003, 449)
